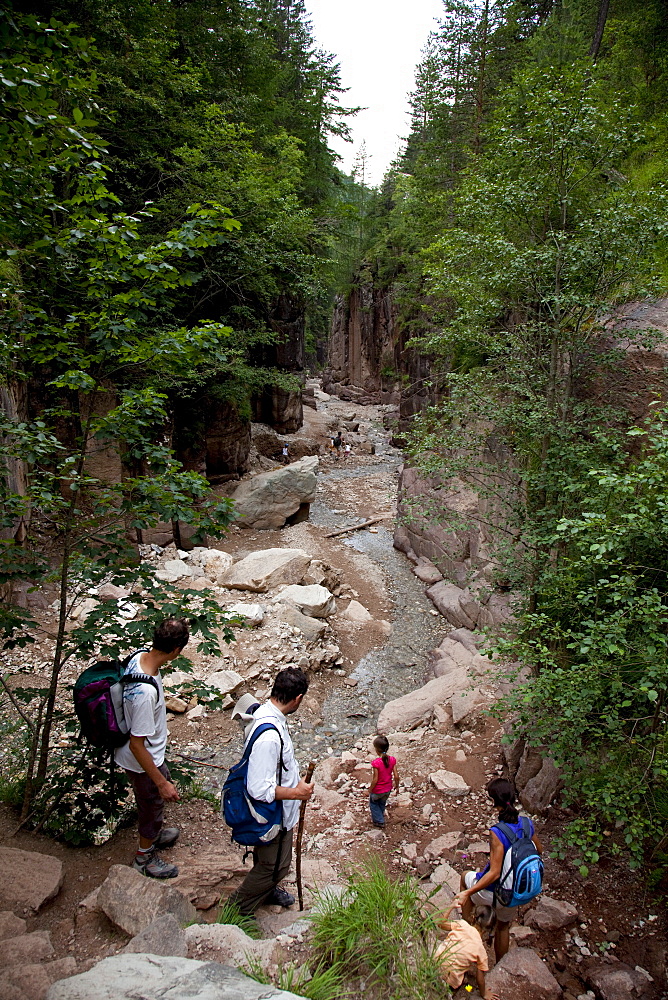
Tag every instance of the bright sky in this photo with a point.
(378, 43)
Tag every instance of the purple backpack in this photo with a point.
(98, 701)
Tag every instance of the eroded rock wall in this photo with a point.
(368, 360)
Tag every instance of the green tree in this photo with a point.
(87, 317)
(549, 238)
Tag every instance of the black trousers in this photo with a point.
(265, 873)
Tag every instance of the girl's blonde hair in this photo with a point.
(382, 745)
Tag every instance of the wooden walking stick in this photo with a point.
(300, 834)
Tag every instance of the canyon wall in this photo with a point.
(368, 360)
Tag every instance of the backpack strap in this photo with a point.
(263, 728)
(510, 833)
(139, 679)
(507, 831)
(526, 827)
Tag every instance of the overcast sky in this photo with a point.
(378, 44)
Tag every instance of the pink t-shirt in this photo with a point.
(384, 783)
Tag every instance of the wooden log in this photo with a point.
(357, 527)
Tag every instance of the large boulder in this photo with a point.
(253, 614)
(163, 936)
(357, 613)
(34, 979)
(271, 499)
(463, 703)
(542, 789)
(551, 914)
(156, 977)
(214, 562)
(456, 604)
(449, 783)
(408, 711)
(311, 628)
(132, 901)
(616, 981)
(27, 948)
(29, 879)
(521, 973)
(427, 572)
(11, 925)
(228, 944)
(445, 874)
(314, 601)
(225, 681)
(267, 568)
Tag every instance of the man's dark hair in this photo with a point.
(289, 683)
(171, 634)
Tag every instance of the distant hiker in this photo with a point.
(481, 888)
(336, 444)
(143, 757)
(273, 775)
(346, 450)
(384, 771)
(285, 454)
(463, 948)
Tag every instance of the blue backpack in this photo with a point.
(521, 875)
(250, 820)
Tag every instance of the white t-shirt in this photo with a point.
(146, 715)
(263, 764)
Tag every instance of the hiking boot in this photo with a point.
(167, 837)
(154, 866)
(279, 897)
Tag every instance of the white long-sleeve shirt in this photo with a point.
(263, 764)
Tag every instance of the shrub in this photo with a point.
(377, 930)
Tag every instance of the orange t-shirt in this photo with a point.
(462, 948)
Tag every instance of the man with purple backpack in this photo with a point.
(143, 756)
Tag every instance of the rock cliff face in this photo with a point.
(368, 359)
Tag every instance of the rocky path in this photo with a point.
(373, 650)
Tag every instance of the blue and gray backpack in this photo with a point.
(251, 821)
(521, 875)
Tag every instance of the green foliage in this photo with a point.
(377, 930)
(529, 204)
(229, 914)
(597, 640)
(320, 983)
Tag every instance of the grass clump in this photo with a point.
(229, 914)
(378, 931)
(320, 982)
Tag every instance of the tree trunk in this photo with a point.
(600, 28)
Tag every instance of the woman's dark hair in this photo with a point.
(382, 745)
(289, 684)
(171, 634)
(502, 793)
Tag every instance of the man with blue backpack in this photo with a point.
(263, 792)
(514, 873)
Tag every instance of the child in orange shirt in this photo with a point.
(463, 947)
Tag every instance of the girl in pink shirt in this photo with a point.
(384, 771)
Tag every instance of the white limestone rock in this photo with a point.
(449, 783)
(313, 601)
(267, 568)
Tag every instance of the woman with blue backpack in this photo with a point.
(514, 873)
